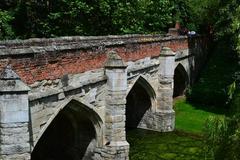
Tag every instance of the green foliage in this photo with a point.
(158, 15)
(219, 18)
(222, 138)
(215, 130)
(216, 84)
(235, 25)
(5, 25)
(183, 13)
(235, 107)
(204, 13)
(53, 18)
(231, 89)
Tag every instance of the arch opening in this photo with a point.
(181, 81)
(70, 136)
(139, 102)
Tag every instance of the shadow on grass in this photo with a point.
(212, 109)
(191, 118)
(150, 145)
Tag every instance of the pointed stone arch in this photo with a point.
(73, 132)
(141, 101)
(145, 84)
(181, 80)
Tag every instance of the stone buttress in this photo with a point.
(14, 117)
(165, 115)
(116, 147)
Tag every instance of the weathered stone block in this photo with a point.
(14, 116)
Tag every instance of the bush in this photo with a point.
(5, 25)
(216, 83)
(222, 138)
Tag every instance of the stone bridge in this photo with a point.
(75, 98)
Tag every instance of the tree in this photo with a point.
(5, 25)
(51, 18)
(222, 138)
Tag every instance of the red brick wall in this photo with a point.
(53, 65)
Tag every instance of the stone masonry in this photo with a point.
(84, 82)
(14, 117)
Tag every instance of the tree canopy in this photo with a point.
(51, 18)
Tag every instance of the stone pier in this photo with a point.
(14, 117)
(165, 114)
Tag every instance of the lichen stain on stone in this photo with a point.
(11, 83)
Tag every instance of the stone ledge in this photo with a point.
(41, 45)
(95, 78)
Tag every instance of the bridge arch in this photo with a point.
(141, 98)
(181, 80)
(72, 133)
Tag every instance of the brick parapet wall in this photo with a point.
(49, 59)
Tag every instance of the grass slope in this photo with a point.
(185, 143)
(189, 118)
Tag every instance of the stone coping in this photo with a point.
(40, 45)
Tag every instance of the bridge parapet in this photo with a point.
(48, 59)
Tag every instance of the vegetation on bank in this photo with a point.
(191, 118)
(215, 84)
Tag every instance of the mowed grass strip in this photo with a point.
(185, 143)
(190, 118)
(150, 145)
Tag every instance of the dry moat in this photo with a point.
(150, 145)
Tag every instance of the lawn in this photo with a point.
(150, 145)
(185, 143)
(191, 118)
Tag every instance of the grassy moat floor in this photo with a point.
(149, 145)
(185, 143)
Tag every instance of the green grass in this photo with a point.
(190, 118)
(186, 143)
(150, 145)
